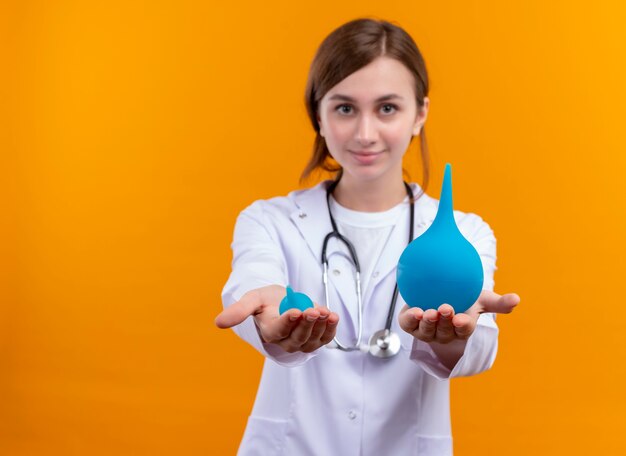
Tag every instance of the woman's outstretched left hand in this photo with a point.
(444, 326)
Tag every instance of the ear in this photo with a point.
(420, 119)
(319, 122)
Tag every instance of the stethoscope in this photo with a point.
(383, 343)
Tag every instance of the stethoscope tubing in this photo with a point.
(335, 233)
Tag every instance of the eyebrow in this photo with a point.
(391, 96)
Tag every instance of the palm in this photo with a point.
(294, 330)
(444, 326)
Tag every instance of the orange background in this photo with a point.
(134, 132)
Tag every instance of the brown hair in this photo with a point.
(346, 50)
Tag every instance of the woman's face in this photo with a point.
(368, 119)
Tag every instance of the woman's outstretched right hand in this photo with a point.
(294, 331)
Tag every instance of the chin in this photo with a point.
(370, 174)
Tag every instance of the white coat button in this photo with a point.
(375, 274)
(301, 215)
(351, 415)
(336, 272)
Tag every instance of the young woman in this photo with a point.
(325, 390)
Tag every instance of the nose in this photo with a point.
(366, 132)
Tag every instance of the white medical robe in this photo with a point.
(331, 402)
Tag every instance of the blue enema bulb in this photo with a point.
(294, 300)
(441, 266)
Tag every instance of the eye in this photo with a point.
(389, 108)
(344, 109)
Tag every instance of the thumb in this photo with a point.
(493, 302)
(239, 311)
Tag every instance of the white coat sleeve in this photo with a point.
(257, 262)
(482, 345)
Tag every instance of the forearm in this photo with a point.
(449, 354)
(459, 358)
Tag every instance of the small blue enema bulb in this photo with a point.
(294, 300)
(441, 266)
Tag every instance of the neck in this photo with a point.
(369, 196)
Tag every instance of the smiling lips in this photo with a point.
(365, 157)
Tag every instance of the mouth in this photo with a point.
(365, 157)
(364, 153)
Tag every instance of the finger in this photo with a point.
(313, 343)
(428, 326)
(302, 331)
(493, 302)
(409, 318)
(445, 329)
(509, 301)
(318, 329)
(281, 327)
(464, 325)
(324, 313)
(239, 311)
(331, 329)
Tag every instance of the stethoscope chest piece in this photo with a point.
(384, 344)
